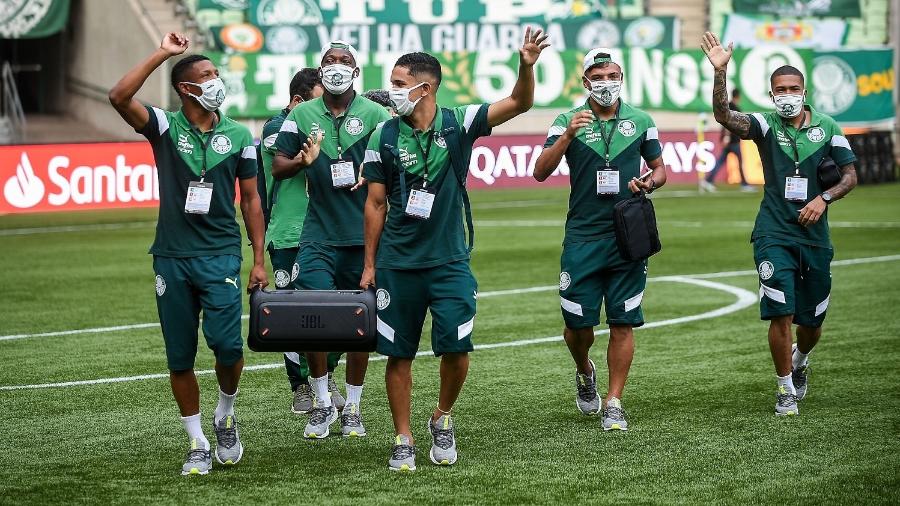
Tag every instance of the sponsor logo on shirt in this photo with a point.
(185, 145)
(408, 159)
(314, 129)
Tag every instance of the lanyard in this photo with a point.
(338, 122)
(204, 145)
(607, 139)
(425, 152)
(793, 141)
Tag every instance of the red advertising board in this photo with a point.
(65, 177)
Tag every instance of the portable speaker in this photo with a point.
(312, 320)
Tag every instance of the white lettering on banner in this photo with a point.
(509, 11)
(473, 37)
(352, 11)
(423, 12)
(514, 161)
(645, 76)
(680, 156)
(278, 70)
(682, 79)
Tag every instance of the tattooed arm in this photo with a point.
(738, 123)
(847, 183)
(813, 211)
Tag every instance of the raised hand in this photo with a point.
(310, 150)
(532, 45)
(579, 121)
(174, 43)
(718, 55)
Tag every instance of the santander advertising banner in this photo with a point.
(116, 175)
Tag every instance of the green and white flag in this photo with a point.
(32, 19)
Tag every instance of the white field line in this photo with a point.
(745, 298)
(76, 228)
(482, 295)
(680, 224)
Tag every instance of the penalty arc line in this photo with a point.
(745, 298)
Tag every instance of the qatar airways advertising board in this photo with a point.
(117, 175)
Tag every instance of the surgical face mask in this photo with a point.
(337, 78)
(605, 93)
(400, 98)
(789, 105)
(213, 93)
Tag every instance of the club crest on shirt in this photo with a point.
(354, 125)
(282, 278)
(766, 270)
(815, 134)
(440, 141)
(627, 128)
(160, 286)
(564, 280)
(221, 144)
(382, 299)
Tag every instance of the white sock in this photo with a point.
(354, 394)
(787, 383)
(225, 406)
(799, 358)
(320, 388)
(195, 431)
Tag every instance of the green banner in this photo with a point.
(655, 79)
(799, 8)
(580, 33)
(855, 86)
(32, 19)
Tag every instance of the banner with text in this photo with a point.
(855, 87)
(799, 8)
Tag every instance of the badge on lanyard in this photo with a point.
(199, 197)
(342, 174)
(608, 180)
(795, 188)
(420, 202)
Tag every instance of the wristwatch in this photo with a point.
(826, 197)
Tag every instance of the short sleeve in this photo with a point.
(556, 130)
(650, 147)
(157, 123)
(373, 169)
(841, 152)
(759, 127)
(269, 136)
(473, 120)
(247, 167)
(289, 140)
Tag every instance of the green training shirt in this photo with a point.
(178, 148)
(287, 197)
(335, 215)
(634, 136)
(412, 243)
(775, 139)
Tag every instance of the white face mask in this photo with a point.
(789, 105)
(337, 78)
(400, 98)
(605, 93)
(213, 93)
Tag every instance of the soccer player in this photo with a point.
(603, 141)
(326, 139)
(416, 166)
(197, 252)
(288, 201)
(731, 144)
(791, 243)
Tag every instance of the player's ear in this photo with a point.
(586, 82)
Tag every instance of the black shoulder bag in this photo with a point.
(636, 234)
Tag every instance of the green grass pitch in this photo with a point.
(700, 396)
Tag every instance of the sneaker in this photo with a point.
(443, 441)
(403, 455)
(786, 403)
(351, 421)
(336, 398)
(800, 376)
(748, 188)
(320, 420)
(303, 399)
(614, 415)
(707, 186)
(229, 449)
(198, 461)
(586, 397)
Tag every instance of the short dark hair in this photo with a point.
(182, 66)
(421, 63)
(380, 97)
(303, 83)
(786, 70)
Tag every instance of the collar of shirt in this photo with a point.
(436, 124)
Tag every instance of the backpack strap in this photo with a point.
(459, 162)
(390, 153)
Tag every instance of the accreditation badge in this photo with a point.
(342, 174)
(199, 197)
(420, 203)
(608, 181)
(795, 188)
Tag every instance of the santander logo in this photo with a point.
(24, 189)
(77, 176)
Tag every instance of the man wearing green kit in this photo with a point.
(288, 200)
(200, 153)
(326, 138)
(416, 250)
(603, 141)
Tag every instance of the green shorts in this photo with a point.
(323, 267)
(284, 266)
(184, 286)
(593, 272)
(405, 295)
(794, 279)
